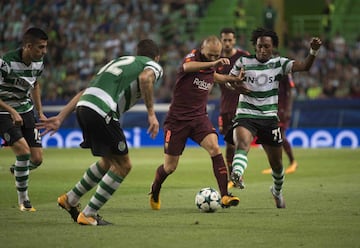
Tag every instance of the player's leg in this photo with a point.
(175, 136)
(33, 139)
(229, 155)
(211, 145)
(225, 124)
(14, 138)
(243, 138)
(71, 200)
(289, 153)
(120, 167)
(274, 154)
(162, 172)
(21, 173)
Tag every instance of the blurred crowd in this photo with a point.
(334, 74)
(85, 34)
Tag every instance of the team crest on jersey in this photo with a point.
(271, 65)
(121, 146)
(190, 55)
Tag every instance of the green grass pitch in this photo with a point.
(322, 199)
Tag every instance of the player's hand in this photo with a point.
(153, 129)
(237, 84)
(222, 61)
(239, 87)
(315, 43)
(42, 117)
(17, 120)
(51, 125)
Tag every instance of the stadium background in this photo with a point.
(84, 34)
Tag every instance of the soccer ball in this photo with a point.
(208, 200)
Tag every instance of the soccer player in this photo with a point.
(256, 114)
(286, 95)
(19, 92)
(115, 89)
(229, 98)
(187, 117)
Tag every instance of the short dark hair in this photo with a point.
(227, 30)
(148, 48)
(33, 34)
(261, 32)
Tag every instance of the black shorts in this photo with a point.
(176, 133)
(11, 133)
(267, 131)
(103, 137)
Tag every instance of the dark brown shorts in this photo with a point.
(177, 132)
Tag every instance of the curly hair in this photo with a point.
(260, 32)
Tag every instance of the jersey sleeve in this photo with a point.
(156, 68)
(287, 65)
(236, 68)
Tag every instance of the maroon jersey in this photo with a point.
(191, 90)
(229, 98)
(285, 99)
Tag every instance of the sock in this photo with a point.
(91, 177)
(21, 174)
(160, 176)
(33, 166)
(220, 172)
(240, 162)
(278, 179)
(106, 188)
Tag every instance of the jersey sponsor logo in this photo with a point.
(260, 79)
(201, 84)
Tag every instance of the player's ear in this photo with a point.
(157, 58)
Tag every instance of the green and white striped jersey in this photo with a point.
(262, 79)
(17, 80)
(116, 88)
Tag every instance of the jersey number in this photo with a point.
(114, 67)
(277, 134)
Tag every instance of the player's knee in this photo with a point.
(170, 168)
(121, 169)
(126, 167)
(36, 161)
(214, 150)
(21, 148)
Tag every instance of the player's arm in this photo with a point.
(223, 78)
(232, 82)
(52, 124)
(195, 66)
(15, 116)
(146, 82)
(305, 65)
(36, 97)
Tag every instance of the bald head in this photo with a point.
(211, 48)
